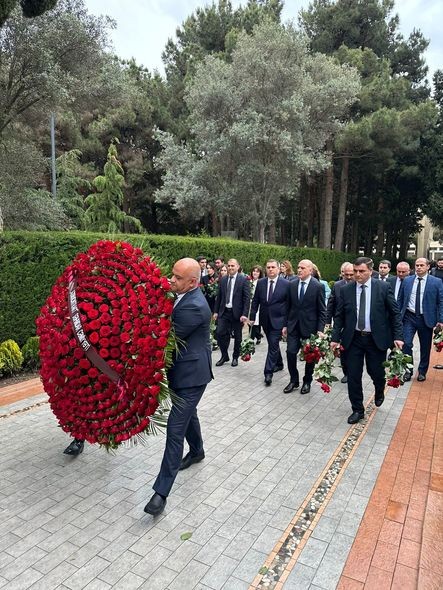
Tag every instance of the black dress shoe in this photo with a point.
(407, 376)
(344, 379)
(234, 363)
(421, 377)
(290, 387)
(268, 380)
(156, 505)
(189, 460)
(75, 448)
(379, 399)
(356, 417)
(306, 388)
(278, 368)
(222, 361)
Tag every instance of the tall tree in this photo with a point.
(104, 212)
(260, 122)
(30, 8)
(49, 62)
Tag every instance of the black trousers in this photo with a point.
(273, 358)
(226, 324)
(294, 345)
(363, 349)
(182, 423)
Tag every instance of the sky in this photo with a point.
(144, 26)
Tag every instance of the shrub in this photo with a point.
(30, 262)
(30, 352)
(11, 358)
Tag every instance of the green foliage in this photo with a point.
(104, 212)
(259, 123)
(31, 8)
(71, 186)
(30, 352)
(11, 358)
(30, 262)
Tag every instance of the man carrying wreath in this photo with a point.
(188, 377)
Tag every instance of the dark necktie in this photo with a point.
(271, 290)
(302, 291)
(228, 294)
(362, 310)
(417, 297)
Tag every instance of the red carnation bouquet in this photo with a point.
(396, 366)
(437, 340)
(316, 349)
(105, 344)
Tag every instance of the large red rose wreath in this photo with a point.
(105, 344)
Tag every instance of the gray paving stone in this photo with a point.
(119, 567)
(325, 528)
(180, 558)
(233, 583)
(248, 567)
(189, 576)
(328, 574)
(219, 572)
(151, 562)
(80, 524)
(300, 577)
(89, 572)
(24, 580)
(97, 585)
(313, 552)
(19, 565)
(55, 577)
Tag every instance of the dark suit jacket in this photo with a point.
(273, 314)
(385, 316)
(241, 297)
(334, 299)
(192, 364)
(309, 316)
(432, 299)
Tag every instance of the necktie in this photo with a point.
(361, 323)
(302, 291)
(417, 298)
(228, 295)
(271, 290)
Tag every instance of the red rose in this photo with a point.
(94, 338)
(325, 387)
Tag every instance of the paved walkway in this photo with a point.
(285, 498)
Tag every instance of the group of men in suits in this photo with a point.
(293, 310)
(369, 315)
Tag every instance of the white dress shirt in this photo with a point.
(367, 304)
(411, 303)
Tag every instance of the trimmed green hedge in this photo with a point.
(30, 262)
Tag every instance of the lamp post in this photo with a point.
(53, 169)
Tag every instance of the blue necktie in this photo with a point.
(362, 310)
(302, 291)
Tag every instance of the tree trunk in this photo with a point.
(326, 209)
(215, 223)
(1, 220)
(310, 217)
(380, 229)
(341, 216)
(272, 232)
(404, 239)
(261, 231)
